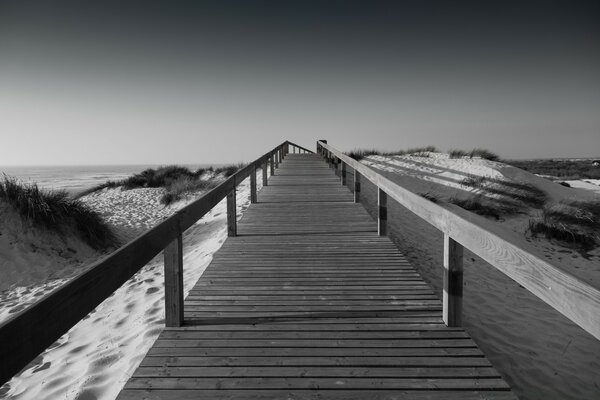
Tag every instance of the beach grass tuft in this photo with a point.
(574, 223)
(176, 180)
(55, 210)
(477, 152)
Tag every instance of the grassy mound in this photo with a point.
(359, 154)
(54, 210)
(572, 223)
(481, 153)
(176, 180)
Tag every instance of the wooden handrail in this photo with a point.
(28, 333)
(574, 298)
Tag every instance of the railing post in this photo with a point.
(173, 258)
(382, 213)
(343, 173)
(232, 212)
(453, 282)
(272, 164)
(356, 186)
(253, 184)
(264, 172)
(276, 158)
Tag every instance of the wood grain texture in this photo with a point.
(574, 298)
(307, 301)
(173, 260)
(453, 282)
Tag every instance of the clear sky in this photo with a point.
(101, 82)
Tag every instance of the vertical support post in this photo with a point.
(173, 258)
(272, 164)
(343, 173)
(264, 172)
(356, 186)
(453, 282)
(382, 213)
(253, 184)
(276, 158)
(232, 212)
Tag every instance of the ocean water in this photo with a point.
(76, 178)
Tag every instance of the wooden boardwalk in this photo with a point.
(308, 302)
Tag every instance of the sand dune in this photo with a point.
(97, 356)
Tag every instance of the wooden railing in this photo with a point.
(28, 333)
(575, 299)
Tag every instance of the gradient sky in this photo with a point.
(223, 81)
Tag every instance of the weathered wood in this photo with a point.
(253, 185)
(571, 296)
(232, 213)
(382, 212)
(264, 174)
(26, 334)
(308, 300)
(272, 164)
(173, 259)
(356, 187)
(343, 174)
(453, 282)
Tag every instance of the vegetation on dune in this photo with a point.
(481, 153)
(524, 193)
(573, 223)
(56, 211)
(359, 154)
(563, 169)
(176, 180)
(431, 197)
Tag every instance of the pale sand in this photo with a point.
(539, 352)
(97, 356)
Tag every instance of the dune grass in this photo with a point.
(54, 210)
(425, 151)
(481, 153)
(359, 154)
(176, 180)
(525, 193)
(573, 223)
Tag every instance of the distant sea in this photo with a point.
(76, 178)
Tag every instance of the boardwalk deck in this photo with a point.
(308, 302)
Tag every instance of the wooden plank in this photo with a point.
(309, 299)
(317, 394)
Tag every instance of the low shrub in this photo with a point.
(574, 223)
(481, 153)
(54, 210)
(430, 197)
(525, 193)
(477, 205)
(360, 154)
(178, 188)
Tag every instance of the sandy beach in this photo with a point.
(97, 356)
(538, 351)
